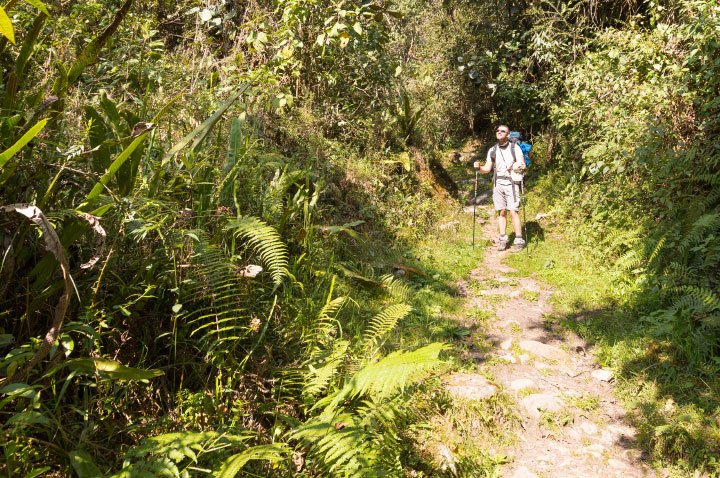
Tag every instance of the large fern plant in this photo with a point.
(682, 263)
(354, 429)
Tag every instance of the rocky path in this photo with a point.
(572, 426)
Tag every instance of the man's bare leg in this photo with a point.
(517, 226)
(502, 221)
(519, 242)
(502, 225)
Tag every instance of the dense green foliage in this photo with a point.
(200, 283)
(168, 150)
(631, 153)
(637, 131)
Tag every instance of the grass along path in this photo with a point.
(545, 406)
(572, 425)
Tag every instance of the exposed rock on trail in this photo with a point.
(572, 425)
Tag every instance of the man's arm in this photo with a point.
(487, 167)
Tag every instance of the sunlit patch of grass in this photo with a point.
(524, 392)
(545, 371)
(568, 269)
(492, 283)
(587, 402)
(480, 316)
(475, 286)
(467, 434)
(555, 420)
(530, 295)
(673, 407)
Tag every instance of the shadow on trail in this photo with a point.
(675, 405)
(534, 232)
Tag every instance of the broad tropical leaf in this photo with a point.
(6, 27)
(234, 464)
(6, 155)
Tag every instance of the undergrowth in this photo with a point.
(673, 404)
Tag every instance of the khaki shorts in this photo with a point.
(503, 197)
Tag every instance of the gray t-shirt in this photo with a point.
(504, 161)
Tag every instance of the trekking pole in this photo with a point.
(527, 239)
(474, 202)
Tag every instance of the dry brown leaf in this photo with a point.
(410, 269)
(251, 271)
(99, 233)
(53, 245)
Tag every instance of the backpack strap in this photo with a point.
(492, 157)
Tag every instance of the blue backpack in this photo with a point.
(525, 147)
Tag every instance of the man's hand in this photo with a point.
(476, 165)
(519, 167)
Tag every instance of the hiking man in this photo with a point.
(509, 168)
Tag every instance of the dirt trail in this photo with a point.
(572, 426)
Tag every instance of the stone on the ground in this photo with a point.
(506, 344)
(533, 404)
(521, 383)
(594, 450)
(602, 375)
(543, 350)
(589, 428)
(608, 437)
(622, 430)
(524, 472)
(571, 373)
(445, 457)
(524, 358)
(617, 464)
(509, 357)
(469, 386)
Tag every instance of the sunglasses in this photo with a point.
(501, 131)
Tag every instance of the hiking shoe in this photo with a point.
(517, 246)
(501, 245)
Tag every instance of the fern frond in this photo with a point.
(677, 272)
(362, 443)
(711, 199)
(160, 455)
(711, 179)
(272, 453)
(658, 248)
(700, 300)
(381, 413)
(266, 241)
(621, 238)
(386, 376)
(273, 196)
(705, 224)
(630, 260)
(381, 324)
(324, 323)
(323, 368)
(218, 314)
(340, 445)
(396, 287)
